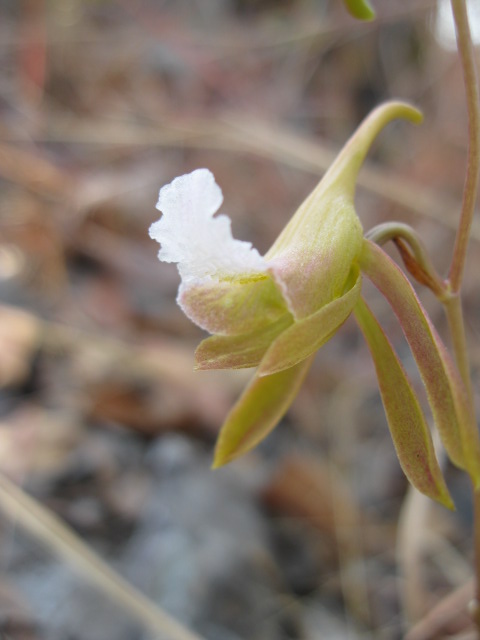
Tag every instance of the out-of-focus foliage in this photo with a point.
(360, 9)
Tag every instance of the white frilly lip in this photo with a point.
(202, 245)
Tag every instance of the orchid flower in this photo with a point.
(275, 311)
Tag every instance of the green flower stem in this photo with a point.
(419, 264)
(453, 307)
(467, 59)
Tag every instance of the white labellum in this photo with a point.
(202, 245)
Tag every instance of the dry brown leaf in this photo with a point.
(305, 488)
(33, 171)
(36, 441)
(19, 339)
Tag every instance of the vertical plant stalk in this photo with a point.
(454, 312)
(453, 306)
(467, 59)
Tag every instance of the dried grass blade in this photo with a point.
(292, 149)
(44, 525)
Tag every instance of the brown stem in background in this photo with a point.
(412, 528)
(445, 617)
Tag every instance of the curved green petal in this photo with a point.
(360, 9)
(312, 257)
(446, 394)
(261, 406)
(410, 433)
(232, 306)
(239, 352)
(307, 336)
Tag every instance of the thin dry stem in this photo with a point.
(452, 609)
(47, 528)
(231, 133)
(410, 547)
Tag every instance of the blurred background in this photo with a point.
(102, 419)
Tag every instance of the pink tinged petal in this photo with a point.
(232, 307)
(239, 352)
(311, 271)
(410, 433)
(306, 336)
(261, 406)
(312, 257)
(446, 394)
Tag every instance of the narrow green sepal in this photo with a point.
(239, 352)
(312, 257)
(360, 9)
(307, 336)
(445, 391)
(258, 410)
(409, 430)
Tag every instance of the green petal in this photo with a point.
(307, 336)
(410, 433)
(446, 394)
(360, 9)
(234, 306)
(239, 352)
(258, 411)
(312, 257)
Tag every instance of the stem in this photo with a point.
(418, 261)
(467, 59)
(453, 309)
(453, 305)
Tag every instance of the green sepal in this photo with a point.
(445, 391)
(239, 352)
(313, 255)
(258, 410)
(306, 336)
(360, 9)
(409, 430)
